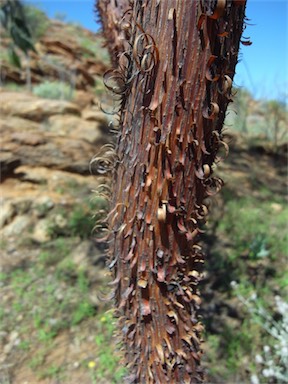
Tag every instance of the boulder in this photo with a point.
(7, 212)
(17, 123)
(28, 106)
(83, 99)
(41, 232)
(44, 149)
(17, 226)
(8, 163)
(76, 127)
(92, 115)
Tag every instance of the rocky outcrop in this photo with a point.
(28, 106)
(61, 53)
(48, 133)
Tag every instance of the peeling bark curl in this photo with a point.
(174, 80)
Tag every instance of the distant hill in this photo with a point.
(65, 52)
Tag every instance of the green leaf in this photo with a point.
(21, 25)
(3, 18)
(21, 39)
(13, 57)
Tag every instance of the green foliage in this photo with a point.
(13, 19)
(61, 16)
(81, 223)
(276, 117)
(270, 351)
(37, 21)
(99, 88)
(37, 360)
(237, 113)
(81, 220)
(255, 228)
(13, 58)
(108, 360)
(94, 48)
(261, 120)
(250, 247)
(50, 295)
(83, 310)
(53, 90)
(53, 371)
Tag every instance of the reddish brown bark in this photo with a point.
(111, 13)
(175, 83)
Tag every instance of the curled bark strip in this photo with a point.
(211, 71)
(211, 111)
(145, 52)
(114, 110)
(104, 161)
(124, 63)
(226, 148)
(161, 213)
(225, 85)
(213, 186)
(206, 170)
(114, 82)
(125, 24)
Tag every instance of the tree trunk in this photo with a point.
(111, 13)
(175, 84)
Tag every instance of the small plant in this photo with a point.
(80, 223)
(61, 16)
(54, 90)
(272, 361)
(106, 364)
(254, 228)
(83, 310)
(37, 360)
(50, 372)
(37, 20)
(96, 48)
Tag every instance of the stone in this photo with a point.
(30, 107)
(80, 255)
(28, 138)
(8, 163)
(41, 233)
(59, 152)
(60, 221)
(91, 136)
(10, 73)
(8, 123)
(17, 226)
(92, 115)
(76, 127)
(42, 205)
(7, 212)
(276, 207)
(83, 99)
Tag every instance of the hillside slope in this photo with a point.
(53, 325)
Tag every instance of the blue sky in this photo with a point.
(263, 68)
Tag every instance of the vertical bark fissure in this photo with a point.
(183, 56)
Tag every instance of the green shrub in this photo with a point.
(53, 90)
(272, 358)
(255, 228)
(82, 311)
(37, 21)
(96, 48)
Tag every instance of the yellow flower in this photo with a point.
(91, 364)
(103, 319)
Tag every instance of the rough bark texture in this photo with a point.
(175, 84)
(114, 25)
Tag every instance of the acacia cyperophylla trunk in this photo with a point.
(174, 79)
